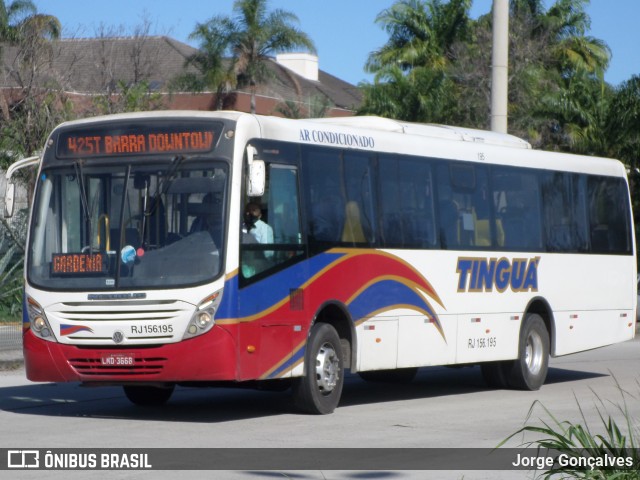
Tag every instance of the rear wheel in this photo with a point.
(319, 390)
(148, 396)
(529, 371)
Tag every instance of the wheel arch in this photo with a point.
(337, 315)
(540, 306)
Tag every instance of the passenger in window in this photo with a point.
(262, 232)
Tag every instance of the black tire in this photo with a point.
(319, 390)
(148, 396)
(399, 375)
(496, 374)
(529, 371)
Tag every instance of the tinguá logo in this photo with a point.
(482, 274)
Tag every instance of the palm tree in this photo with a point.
(8, 15)
(21, 24)
(561, 88)
(422, 95)
(19, 20)
(421, 34)
(256, 35)
(567, 23)
(410, 69)
(214, 70)
(251, 36)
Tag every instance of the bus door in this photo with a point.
(271, 299)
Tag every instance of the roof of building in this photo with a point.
(96, 65)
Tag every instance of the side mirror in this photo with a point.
(9, 200)
(256, 176)
(10, 192)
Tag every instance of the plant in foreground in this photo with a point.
(612, 454)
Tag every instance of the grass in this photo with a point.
(7, 315)
(584, 447)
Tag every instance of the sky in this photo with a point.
(344, 31)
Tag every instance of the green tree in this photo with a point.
(33, 110)
(422, 95)
(420, 34)
(624, 121)
(316, 106)
(26, 119)
(623, 133)
(251, 36)
(136, 97)
(436, 67)
(411, 81)
(213, 71)
(11, 16)
(556, 71)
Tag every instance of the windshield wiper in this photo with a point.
(150, 207)
(84, 201)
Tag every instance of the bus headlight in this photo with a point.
(204, 317)
(38, 322)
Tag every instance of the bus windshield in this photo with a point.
(128, 225)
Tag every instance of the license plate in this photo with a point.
(118, 360)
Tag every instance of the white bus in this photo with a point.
(209, 248)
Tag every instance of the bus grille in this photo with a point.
(148, 366)
(120, 311)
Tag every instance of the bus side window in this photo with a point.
(464, 207)
(564, 212)
(406, 203)
(324, 197)
(516, 203)
(609, 215)
(340, 198)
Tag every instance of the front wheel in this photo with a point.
(148, 396)
(529, 370)
(319, 390)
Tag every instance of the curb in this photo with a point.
(11, 359)
(10, 365)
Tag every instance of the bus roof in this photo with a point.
(468, 139)
(444, 132)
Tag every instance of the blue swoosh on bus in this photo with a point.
(367, 283)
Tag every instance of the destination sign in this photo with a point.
(137, 141)
(78, 264)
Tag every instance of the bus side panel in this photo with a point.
(487, 337)
(420, 342)
(603, 287)
(378, 345)
(583, 330)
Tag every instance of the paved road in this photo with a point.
(443, 407)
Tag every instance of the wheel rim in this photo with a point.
(534, 353)
(327, 368)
